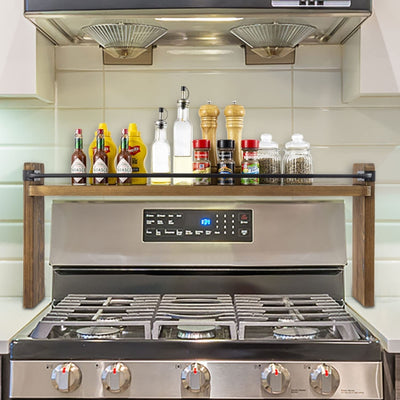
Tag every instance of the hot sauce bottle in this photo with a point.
(100, 160)
(78, 160)
(124, 160)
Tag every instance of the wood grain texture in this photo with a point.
(33, 242)
(397, 377)
(364, 242)
(260, 190)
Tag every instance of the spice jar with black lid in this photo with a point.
(270, 159)
(250, 164)
(225, 164)
(297, 160)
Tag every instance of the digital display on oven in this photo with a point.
(195, 225)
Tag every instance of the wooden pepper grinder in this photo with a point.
(208, 115)
(234, 115)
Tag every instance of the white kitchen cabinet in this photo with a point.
(371, 57)
(27, 67)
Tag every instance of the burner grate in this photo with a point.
(255, 312)
(195, 310)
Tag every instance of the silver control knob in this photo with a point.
(275, 379)
(325, 380)
(116, 377)
(196, 378)
(66, 377)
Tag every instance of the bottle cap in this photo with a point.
(103, 126)
(184, 102)
(100, 132)
(266, 142)
(78, 132)
(297, 142)
(201, 144)
(124, 132)
(226, 144)
(250, 144)
(133, 130)
(161, 123)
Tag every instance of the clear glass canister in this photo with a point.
(297, 160)
(250, 164)
(269, 158)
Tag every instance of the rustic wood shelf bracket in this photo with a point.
(364, 240)
(33, 241)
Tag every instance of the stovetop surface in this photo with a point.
(197, 317)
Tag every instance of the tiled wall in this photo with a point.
(281, 100)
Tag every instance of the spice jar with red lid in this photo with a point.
(201, 163)
(250, 164)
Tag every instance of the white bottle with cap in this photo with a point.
(270, 159)
(297, 160)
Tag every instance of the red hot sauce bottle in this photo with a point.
(78, 160)
(100, 160)
(124, 160)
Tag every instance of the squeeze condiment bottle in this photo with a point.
(110, 149)
(234, 115)
(138, 151)
(208, 114)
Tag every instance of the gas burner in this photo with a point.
(196, 332)
(295, 333)
(98, 332)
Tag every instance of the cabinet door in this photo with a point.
(27, 58)
(371, 58)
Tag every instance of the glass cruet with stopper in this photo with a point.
(161, 150)
(183, 138)
(297, 160)
(269, 158)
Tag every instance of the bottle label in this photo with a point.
(202, 168)
(123, 167)
(133, 150)
(100, 167)
(78, 167)
(250, 168)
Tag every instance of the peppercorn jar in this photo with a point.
(225, 164)
(269, 159)
(250, 164)
(201, 163)
(297, 160)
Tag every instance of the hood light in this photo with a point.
(198, 19)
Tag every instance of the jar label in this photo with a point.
(201, 168)
(100, 167)
(250, 168)
(123, 167)
(78, 167)
(225, 168)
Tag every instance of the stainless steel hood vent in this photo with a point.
(197, 22)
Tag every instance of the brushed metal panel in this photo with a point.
(308, 233)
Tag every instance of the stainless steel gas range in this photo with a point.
(193, 299)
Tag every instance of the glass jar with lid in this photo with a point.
(297, 160)
(269, 158)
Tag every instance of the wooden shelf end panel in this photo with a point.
(364, 242)
(33, 242)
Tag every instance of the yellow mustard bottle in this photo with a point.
(138, 151)
(110, 148)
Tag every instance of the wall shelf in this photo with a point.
(362, 192)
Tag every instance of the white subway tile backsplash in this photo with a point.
(11, 282)
(317, 89)
(13, 159)
(80, 89)
(318, 57)
(11, 203)
(27, 127)
(348, 126)
(152, 89)
(387, 278)
(77, 58)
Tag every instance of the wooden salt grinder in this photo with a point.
(208, 115)
(234, 115)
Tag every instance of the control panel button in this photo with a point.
(275, 379)
(66, 377)
(244, 232)
(196, 378)
(325, 380)
(116, 378)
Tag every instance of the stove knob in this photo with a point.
(196, 378)
(66, 377)
(325, 380)
(116, 378)
(275, 379)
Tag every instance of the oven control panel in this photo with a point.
(197, 225)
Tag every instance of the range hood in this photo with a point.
(197, 22)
